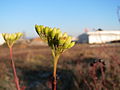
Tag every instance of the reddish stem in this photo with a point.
(84, 79)
(54, 84)
(93, 74)
(14, 70)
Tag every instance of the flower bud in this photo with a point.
(67, 42)
(18, 35)
(49, 32)
(46, 30)
(38, 29)
(3, 34)
(53, 33)
(41, 29)
(7, 36)
(58, 30)
(62, 40)
(36, 26)
(13, 37)
(71, 44)
(65, 35)
(59, 35)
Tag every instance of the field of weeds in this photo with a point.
(83, 67)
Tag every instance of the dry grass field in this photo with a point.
(79, 68)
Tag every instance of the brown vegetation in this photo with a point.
(79, 68)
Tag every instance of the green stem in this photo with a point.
(53, 54)
(14, 70)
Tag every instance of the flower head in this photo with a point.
(54, 37)
(11, 38)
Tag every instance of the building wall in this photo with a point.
(103, 38)
(1, 40)
(83, 38)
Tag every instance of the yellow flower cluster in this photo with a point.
(11, 38)
(55, 38)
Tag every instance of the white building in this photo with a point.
(1, 40)
(99, 37)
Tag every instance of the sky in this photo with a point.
(71, 16)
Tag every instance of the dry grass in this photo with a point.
(34, 67)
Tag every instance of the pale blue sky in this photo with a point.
(70, 16)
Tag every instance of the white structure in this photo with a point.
(1, 40)
(99, 37)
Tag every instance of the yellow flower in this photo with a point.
(55, 39)
(11, 38)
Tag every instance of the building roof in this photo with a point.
(104, 32)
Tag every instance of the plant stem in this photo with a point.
(53, 54)
(54, 72)
(14, 70)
